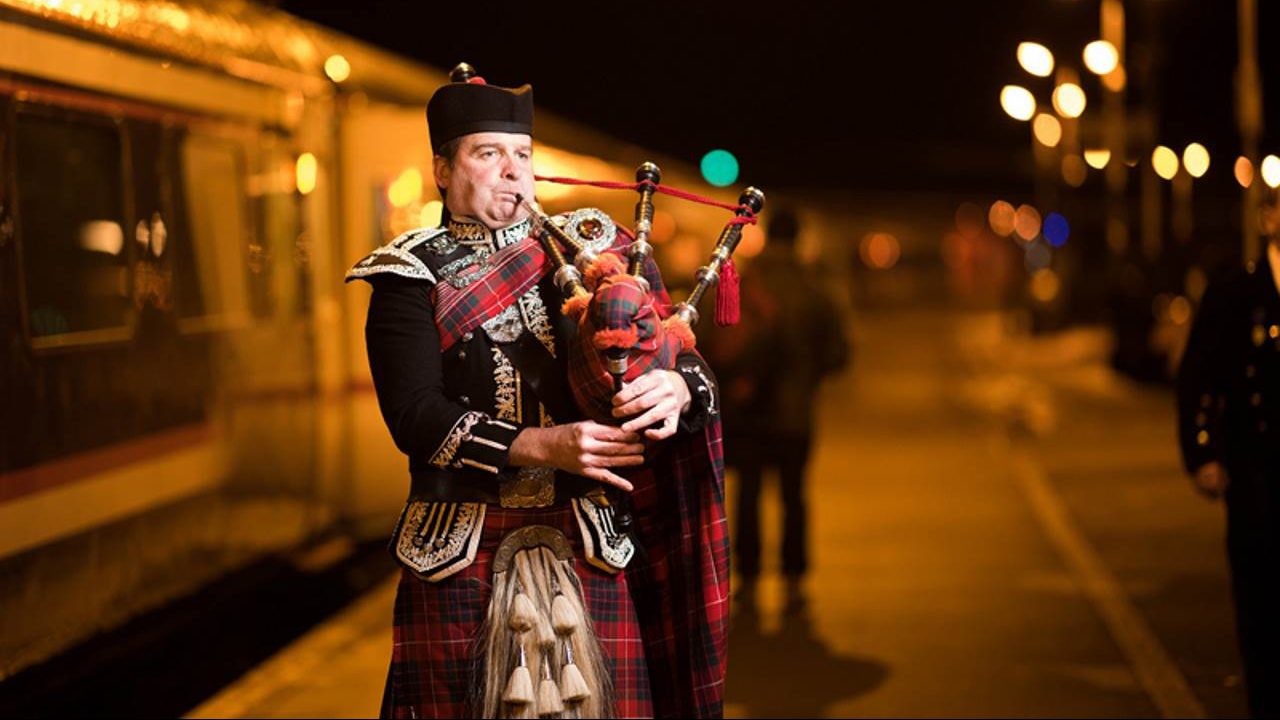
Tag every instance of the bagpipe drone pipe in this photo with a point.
(625, 331)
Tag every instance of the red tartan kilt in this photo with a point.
(434, 652)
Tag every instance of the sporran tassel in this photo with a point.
(573, 687)
(520, 687)
(563, 617)
(523, 614)
(549, 700)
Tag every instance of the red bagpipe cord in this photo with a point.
(727, 308)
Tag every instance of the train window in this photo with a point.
(71, 225)
(279, 228)
(213, 180)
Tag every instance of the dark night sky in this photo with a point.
(889, 95)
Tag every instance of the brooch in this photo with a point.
(465, 270)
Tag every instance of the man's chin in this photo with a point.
(505, 214)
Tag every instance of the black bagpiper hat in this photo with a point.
(468, 105)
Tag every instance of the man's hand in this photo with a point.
(584, 448)
(658, 396)
(1211, 480)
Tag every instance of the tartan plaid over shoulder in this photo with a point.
(506, 275)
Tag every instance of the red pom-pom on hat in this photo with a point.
(477, 80)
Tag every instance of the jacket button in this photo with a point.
(465, 400)
(462, 354)
(466, 337)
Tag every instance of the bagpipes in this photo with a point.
(623, 330)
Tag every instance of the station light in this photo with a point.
(1196, 160)
(1165, 162)
(1047, 129)
(1018, 102)
(1035, 59)
(1271, 171)
(1069, 100)
(1026, 222)
(1001, 217)
(1097, 159)
(1101, 57)
(306, 170)
(720, 168)
(337, 68)
(1244, 171)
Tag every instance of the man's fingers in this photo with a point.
(615, 448)
(609, 433)
(601, 461)
(639, 405)
(667, 430)
(635, 389)
(608, 478)
(652, 416)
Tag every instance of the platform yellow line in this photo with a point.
(1155, 669)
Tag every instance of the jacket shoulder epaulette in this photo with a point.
(399, 257)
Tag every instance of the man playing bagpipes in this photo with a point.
(557, 562)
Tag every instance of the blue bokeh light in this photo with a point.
(1056, 229)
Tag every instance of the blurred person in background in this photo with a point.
(1229, 431)
(516, 595)
(792, 336)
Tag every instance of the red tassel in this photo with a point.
(727, 295)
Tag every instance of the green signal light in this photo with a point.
(720, 168)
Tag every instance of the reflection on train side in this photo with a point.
(123, 327)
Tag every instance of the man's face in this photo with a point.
(490, 169)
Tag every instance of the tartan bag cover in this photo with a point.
(628, 314)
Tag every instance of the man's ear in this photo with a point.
(440, 168)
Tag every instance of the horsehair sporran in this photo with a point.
(539, 651)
